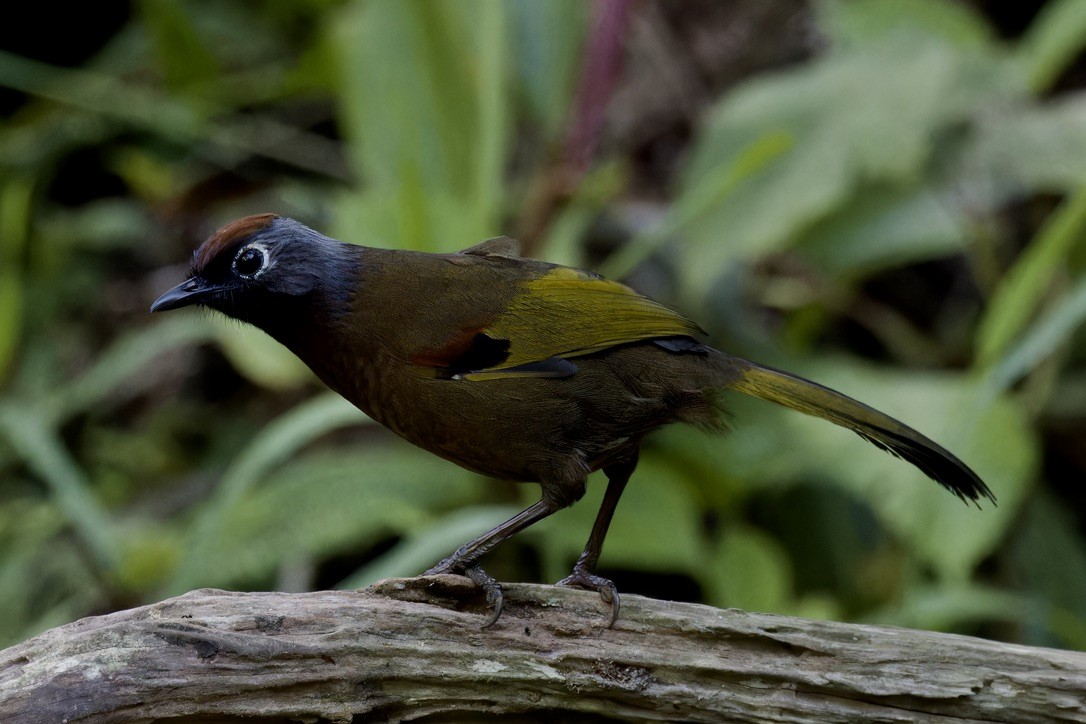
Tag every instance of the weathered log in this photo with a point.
(409, 648)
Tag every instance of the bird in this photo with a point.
(510, 367)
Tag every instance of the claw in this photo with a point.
(586, 580)
(490, 587)
(493, 590)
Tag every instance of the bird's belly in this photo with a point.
(476, 425)
(526, 428)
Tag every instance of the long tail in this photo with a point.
(877, 428)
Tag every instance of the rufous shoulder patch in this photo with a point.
(228, 236)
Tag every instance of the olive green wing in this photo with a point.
(569, 313)
(552, 319)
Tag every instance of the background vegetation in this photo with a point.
(887, 197)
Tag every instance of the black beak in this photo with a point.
(189, 292)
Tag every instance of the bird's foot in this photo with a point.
(490, 586)
(449, 565)
(587, 580)
(492, 589)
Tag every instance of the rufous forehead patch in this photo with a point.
(228, 236)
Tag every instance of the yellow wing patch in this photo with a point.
(569, 313)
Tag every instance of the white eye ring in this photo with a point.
(250, 261)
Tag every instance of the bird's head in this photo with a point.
(260, 268)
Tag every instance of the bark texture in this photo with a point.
(412, 648)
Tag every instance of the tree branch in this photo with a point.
(408, 648)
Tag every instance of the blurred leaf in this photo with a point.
(1023, 149)
(1047, 557)
(107, 97)
(46, 456)
(866, 21)
(1022, 290)
(179, 48)
(150, 551)
(430, 542)
(1039, 340)
(120, 368)
(547, 39)
(276, 442)
(98, 92)
(28, 147)
(700, 199)
(562, 243)
(995, 440)
(821, 606)
(1068, 625)
(749, 570)
(945, 608)
(835, 543)
(1052, 42)
(99, 226)
(15, 197)
(327, 503)
(884, 227)
(1068, 398)
(44, 582)
(433, 150)
(151, 178)
(770, 447)
(259, 357)
(493, 114)
(913, 87)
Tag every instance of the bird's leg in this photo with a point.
(467, 554)
(464, 560)
(583, 577)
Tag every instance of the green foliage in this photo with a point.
(847, 162)
(995, 439)
(1022, 291)
(324, 504)
(52, 463)
(750, 570)
(259, 357)
(141, 457)
(427, 543)
(14, 219)
(1051, 43)
(275, 443)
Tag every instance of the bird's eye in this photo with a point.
(248, 261)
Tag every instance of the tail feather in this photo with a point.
(877, 428)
